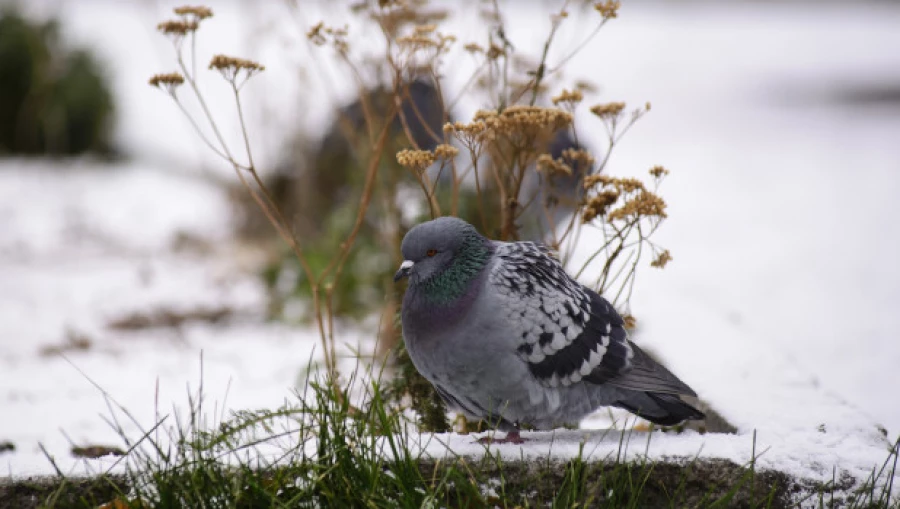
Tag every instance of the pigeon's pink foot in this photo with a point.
(512, 437)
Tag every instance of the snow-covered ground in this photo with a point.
(780, 307)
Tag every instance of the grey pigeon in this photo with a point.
(505, 335)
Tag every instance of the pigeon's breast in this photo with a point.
(450, 343)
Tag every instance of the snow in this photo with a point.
(779, 308)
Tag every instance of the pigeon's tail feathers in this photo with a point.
(660, 408)
(647, 375)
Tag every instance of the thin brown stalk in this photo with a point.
(337, 264)
(200, 133)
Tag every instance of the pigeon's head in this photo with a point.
(430, 248)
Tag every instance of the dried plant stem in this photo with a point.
(578, 48)
(199, 131)
(478, 194)
(206, 111)
(244, 133)
(593, 256)
(631, 276)
(454, 190)
(265, 201)
(616, 252)
(337, 264)
(540, 72)
(467, 85)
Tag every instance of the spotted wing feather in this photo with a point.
(568, 333)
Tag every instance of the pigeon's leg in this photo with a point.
(512, 437)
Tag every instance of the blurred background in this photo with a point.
(128, 246)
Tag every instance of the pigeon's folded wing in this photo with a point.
(567, 333)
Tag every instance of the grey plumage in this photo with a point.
(505, 335)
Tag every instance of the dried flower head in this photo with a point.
(231, 67)
(662, 259)
(426, 29)
(167, 81)
(320, 35)
(592, 180)
(658, 172)
(198, 11)
(473, 48)
(599, 204)
(518, 117)
(397, 16)
(444, 151)
(643, 204)
(315, 34)
(177, 28)
(630, 321)
(516, 123)
(569, 98)
(608, 110)
(585, 86)
(578, 157)
(495, 52)
(425, 40)
(550, 166)
(471, 134)
(608, 9)
(417, 42)
(415, 159)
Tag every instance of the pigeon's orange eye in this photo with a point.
(431, 252)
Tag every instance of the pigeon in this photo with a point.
(507, 337)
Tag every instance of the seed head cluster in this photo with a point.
(415, 159)
(231, 67)
(608, 110)
(167, 81)
(568, 98)
(495, 52)
(644, 204)
(608, 9)
(597, 205)
(222, 62)
(197, 11)
(424, 40)
(578, 157)
(445, 152)
(320, 35)
(473, 48)
(634, 200)
(663, 258)
(658, 172)
(188, 22)
(397, 16)
(515, 121)
(550, 166)
(177, 27)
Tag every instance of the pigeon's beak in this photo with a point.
(405, 267)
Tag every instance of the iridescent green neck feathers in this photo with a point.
(453, 282)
